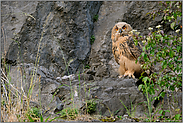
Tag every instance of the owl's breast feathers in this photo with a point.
(125, 46)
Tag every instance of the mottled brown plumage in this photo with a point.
(125, 51)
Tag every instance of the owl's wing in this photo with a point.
(135, 50)
(115, 52)
(129, 49)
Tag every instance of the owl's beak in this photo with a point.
(120, 31)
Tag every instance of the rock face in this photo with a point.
(53, 41)
(101, 58)
(13, 16)
(113, 96)
(28, 77)
(137, 15)
(56, 94)
(57, 35)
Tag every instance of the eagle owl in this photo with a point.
(125, 51)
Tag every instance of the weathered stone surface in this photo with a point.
(136, 15)
(56, 95)
(112, 95)
(114, 92)
(57, 35)
(27, 79)
(13, 16)
(62, 30)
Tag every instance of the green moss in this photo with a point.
(95, 18)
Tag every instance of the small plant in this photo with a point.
(92, 39)
(131, 111)
(13, 109)
(87, 66)
(149, 100)
(69, 113)
(95, 18)
(91, 106)
(34, 114)
(120, 117)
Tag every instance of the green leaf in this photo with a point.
(41, 118)
(31, 120)
(145, 79)
(160, 78)
(172, 25)
(161, 111)
(167, 111)
(47, 118)
(171, 54)
(158, 35)
(143, 48)
(172, 87)
(164, 64)
(177, 116)
(145, 57)
(152, 52)
(152, 91)
(162, 94)
(140, 87)
(175, 15)
(179, 48)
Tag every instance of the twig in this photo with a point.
(6, 94)
(7, 80)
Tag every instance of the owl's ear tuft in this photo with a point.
(116, 28)
(129, 27)
(124, 27)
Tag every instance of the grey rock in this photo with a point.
(13, 17)
(60, 32)
(42, 87)
(136, 15)
(59, 104)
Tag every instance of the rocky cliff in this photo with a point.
(63, 41)
(59, 31)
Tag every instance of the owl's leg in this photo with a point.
(121, 70)
(129, 73)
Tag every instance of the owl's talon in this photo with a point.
(120, 76)
(125, 76)
(129, 74)
(133, 76)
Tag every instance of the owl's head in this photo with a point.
(122, 28)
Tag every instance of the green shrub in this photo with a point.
(165, 49)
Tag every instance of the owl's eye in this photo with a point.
(116, 29)
(124, 27)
